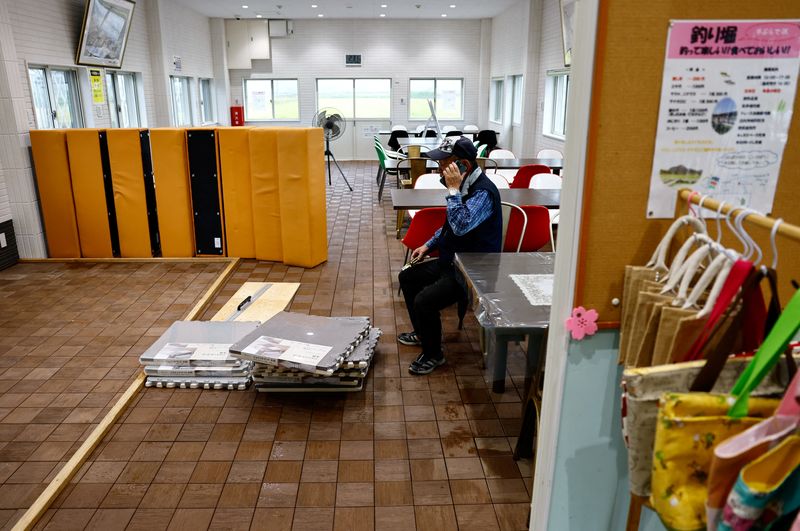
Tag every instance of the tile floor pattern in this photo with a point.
(408, 452)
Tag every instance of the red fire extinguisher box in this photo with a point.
(237, 115)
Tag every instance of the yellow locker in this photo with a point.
(301, 176)
(266, 196)
(173, 195)
(127, 175)
(237, 190)
(51, 159)
(94, 209)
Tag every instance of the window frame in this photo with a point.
(353, 80)
(112, 93)
(271, 99)
(517, 98)
(210, 105)
(189, 106)
(497, 87)
(555, 104)
(79, 119)
(435, 102)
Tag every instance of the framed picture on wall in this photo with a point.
(567, 28)
(104, 34)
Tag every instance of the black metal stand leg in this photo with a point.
(530, 413)
(382, 181)
(332, 158)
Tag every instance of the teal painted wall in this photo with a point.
(590, 487)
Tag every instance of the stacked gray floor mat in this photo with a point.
(298, 352)
(196, 354)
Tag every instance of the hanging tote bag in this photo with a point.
(767, 491)
(691, 425)
(642, 388)
(733, 454)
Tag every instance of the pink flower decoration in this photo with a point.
(582, 323)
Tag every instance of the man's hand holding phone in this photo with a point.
(453, 176)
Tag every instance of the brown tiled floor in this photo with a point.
(408, 452)
(70, 337)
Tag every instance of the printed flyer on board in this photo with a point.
(726, 107)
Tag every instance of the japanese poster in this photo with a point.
(726, 107)
(96, 79)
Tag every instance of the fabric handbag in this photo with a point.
(691, 425)
(768, 489)
(642, 388)
(733, 454)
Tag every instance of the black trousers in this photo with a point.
(429, 288)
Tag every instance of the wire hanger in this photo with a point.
(719, 222)
(735, 231)
(773, 244)
(753, 246)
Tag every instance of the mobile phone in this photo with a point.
(461, 167)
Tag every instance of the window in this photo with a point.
(181, 101)
(56, 100)
(555, 104)
(356, 98)
(123, 103)
(206, 102)
(447, 96)
(270, 99)
(516, 102)
(496, 101)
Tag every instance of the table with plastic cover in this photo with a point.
(506, 315)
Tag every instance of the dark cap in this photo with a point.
(454, 146)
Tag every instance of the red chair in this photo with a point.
(423, 225)
(524, 174)
(537, 233)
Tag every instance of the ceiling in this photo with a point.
(395, 9)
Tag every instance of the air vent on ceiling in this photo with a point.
(280, 28)
(353, 59)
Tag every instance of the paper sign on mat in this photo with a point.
(185, 353)
(286, 350)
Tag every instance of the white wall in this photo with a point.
(186, 34)
(551, 57)
(509, 57)
(397, 49)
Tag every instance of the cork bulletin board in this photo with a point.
(629, 60)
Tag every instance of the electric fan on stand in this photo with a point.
(333, 125)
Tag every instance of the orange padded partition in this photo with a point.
(266, 198)
(124, 152)
(237, 190)
(51, 160)
(91, 209)
(301, 175)
(173, 195)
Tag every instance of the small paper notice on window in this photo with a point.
(273, 348)
(538, 289)
(218, 242)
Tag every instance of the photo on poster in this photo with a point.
(104, 34)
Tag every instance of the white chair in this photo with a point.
(399, 128)
(470, 129)
(549, 154)
(547, 181)
(508, 175)
(419, 129)
(428, 181)
(448, 128)
(499, 181)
